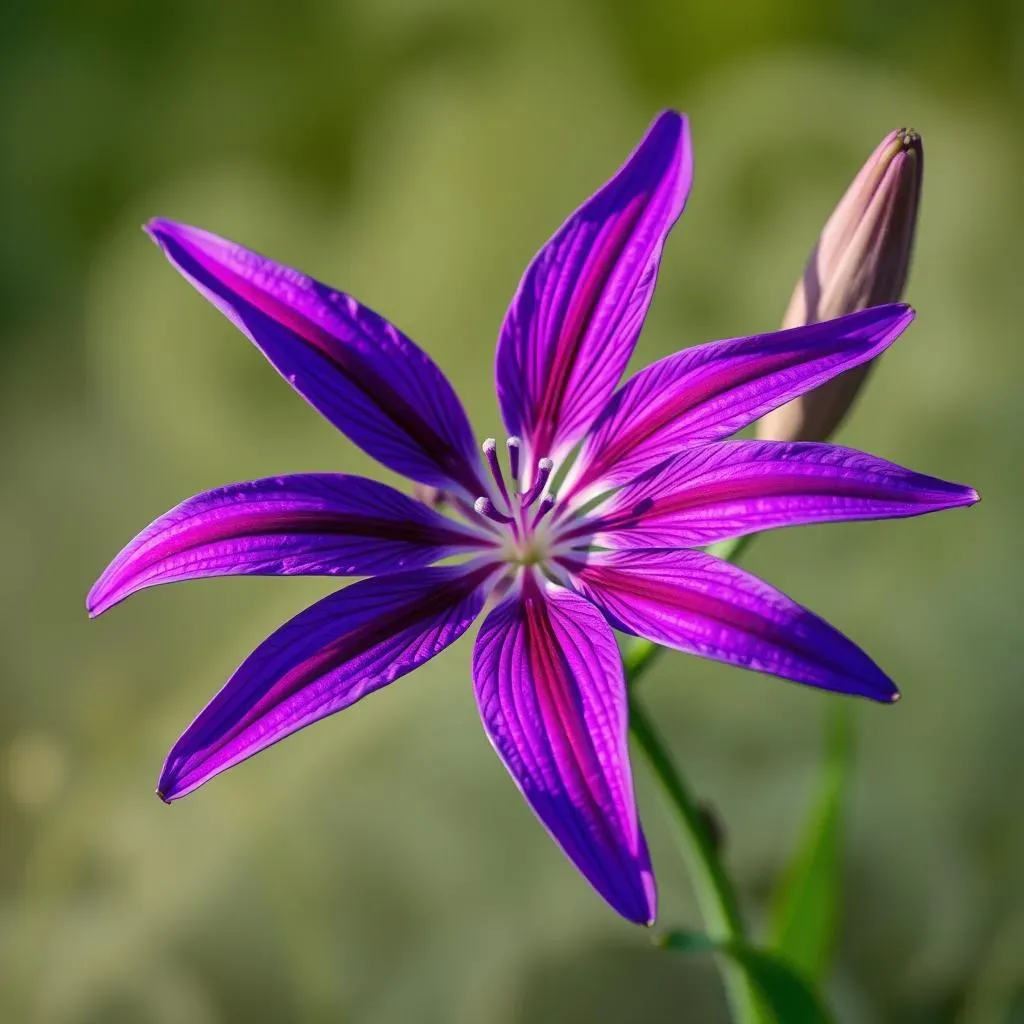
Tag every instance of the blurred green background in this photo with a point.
(380, 867)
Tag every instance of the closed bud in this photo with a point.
(862, 259)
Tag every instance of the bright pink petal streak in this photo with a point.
(729, 488)
(711, 391)
(311, 524)
(579, 308)
(351, 365)
(325, 659)
(704, 606)
(552, 696)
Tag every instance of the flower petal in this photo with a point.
(575, 318)
(350, 364)
(704, 606)
(322, 661)
(552, 696)
(310, 524)
(730, 488)
(711, 391)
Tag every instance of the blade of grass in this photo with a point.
(805, 907)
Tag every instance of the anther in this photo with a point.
(547, 503)
(544, 468)
(490, 449)
(514, 445)
(485, 507)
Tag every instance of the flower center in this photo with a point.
(522, 512)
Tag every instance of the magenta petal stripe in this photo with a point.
(550, 687)
(359, 371)
(575, 318)
(695, 603)
(312, 524)
(711, 391)
(324, 660)
(730, 488)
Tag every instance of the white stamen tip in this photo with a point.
(547, 503)
(485, 507)
(489, 445)
(513, 444)
(544, 468)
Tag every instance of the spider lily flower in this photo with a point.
(616, 547)
(862, 259)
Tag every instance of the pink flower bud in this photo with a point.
(861, 259)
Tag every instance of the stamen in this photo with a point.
(467, 509)
(547, 503)
(544, 468)
(485, 507)
(514, 445)
(490, 448)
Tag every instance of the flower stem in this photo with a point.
(715, 894)
(714, 890)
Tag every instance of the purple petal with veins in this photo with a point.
(704, 606)
(711, 391)
(351, 365)
(552, 695)
(324, 660)
(547, 672)
(727, 489)
(575, 319)
(310, 524)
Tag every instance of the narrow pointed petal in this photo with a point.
(351, 365)
(310, 524)
(324, 660)
(552, 695)
(579, 308)
(701, 605)
(730, 488)
(711, 391)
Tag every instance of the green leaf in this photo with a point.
(805, 906)
(786, 994)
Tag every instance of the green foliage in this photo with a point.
(805, 906)
(788, 996)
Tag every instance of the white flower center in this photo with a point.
(523, 513)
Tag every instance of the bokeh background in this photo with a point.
(381, 867)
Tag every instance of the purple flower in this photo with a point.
(653, 480)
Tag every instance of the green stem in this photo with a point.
(715, 894)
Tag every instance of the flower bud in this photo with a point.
(862, 259)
